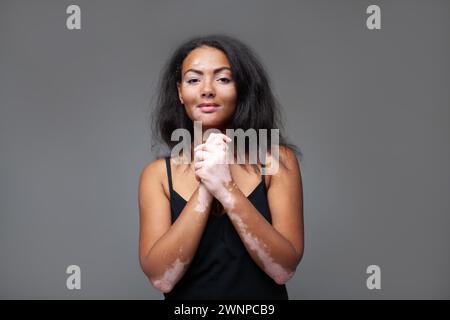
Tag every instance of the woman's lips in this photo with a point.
(208, 108)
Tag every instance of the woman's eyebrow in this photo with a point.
(215, 70)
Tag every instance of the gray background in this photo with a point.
(370, 110)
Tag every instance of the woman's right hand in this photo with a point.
(210, 163)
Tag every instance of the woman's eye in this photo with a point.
(225, 80)
(190, 81)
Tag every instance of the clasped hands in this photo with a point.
(210, 164)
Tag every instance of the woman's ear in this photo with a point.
(179, 93)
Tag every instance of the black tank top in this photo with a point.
(222, 268)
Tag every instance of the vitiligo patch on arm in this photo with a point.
(273, 269)
(202, 200)
(171, 276)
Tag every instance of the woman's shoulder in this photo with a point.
(280, 163)
(286, 157)
(286, 152)
(154, 170)
(155, 166)
(153, 177)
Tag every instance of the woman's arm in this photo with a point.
(276, 248)
(166, 249)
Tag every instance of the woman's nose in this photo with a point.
(207, 91)
(207, 94)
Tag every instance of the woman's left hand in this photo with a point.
(211, 164)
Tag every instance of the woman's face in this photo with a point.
(207, 88)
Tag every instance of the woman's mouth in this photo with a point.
(208, 107)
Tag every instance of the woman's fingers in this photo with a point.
(200, 147)
(217, 138)
(214, 140)
(198, 165)
(227, 139)
(200, 155)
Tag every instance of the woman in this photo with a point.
(210, 229)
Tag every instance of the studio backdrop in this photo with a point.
(364, 90)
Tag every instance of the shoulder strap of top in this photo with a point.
(263, 178)
(169, 174)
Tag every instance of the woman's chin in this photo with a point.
(209, 121)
